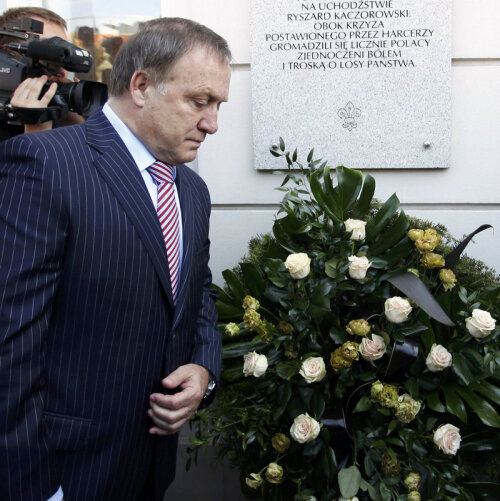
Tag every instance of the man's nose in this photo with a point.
(209, 122)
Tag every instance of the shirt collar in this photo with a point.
(141, 155)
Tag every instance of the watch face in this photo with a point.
(210, 387)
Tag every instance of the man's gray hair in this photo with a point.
(158, 45)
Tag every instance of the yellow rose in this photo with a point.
(274, 473)
(390, 467)
(250, 303)
(344, 356)
(448, 278)
(358, 327)
(407, 408)
(376, 390)
(254, 480)
(413, 481)
(232, 329)
(388, 397)
(285, 327)
(415, 234)
(280, 442)
(425, 245)
(432, 234)
(251, 319)
(431, 260)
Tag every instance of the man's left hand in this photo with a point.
(170, 412)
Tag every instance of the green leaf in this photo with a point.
(433, 401)
(286, 370)
(483, 489)
(312, 449)
(276, 272)
(392, 236)
(480, 441)
(282, 144)
(383, 216)
(228, 311)
(399, 252)
(321, 197)
(253, 279)
(454, 404)
(333, 194)
(234, 284)
(320, 301)
(487, 389)
(461, 368)
(484, 411)
(349, 182)
(236, 350)
(331, 267)
(317, 404)
(365, 198)
(363, 405)
(282, 238)
(349, 481)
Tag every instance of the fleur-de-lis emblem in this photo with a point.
(349, 114)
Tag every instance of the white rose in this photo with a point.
(372, 349)
(397, 309)
(481, 324)
(438, 358)
(254, 364)
(447, 438)
(358, 267)
(313, 369)
(304, 428)
(357, 227)
(299, 265)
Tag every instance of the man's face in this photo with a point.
(174, 123)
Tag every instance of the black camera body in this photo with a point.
(31, 57)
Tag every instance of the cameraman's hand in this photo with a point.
(27, 95)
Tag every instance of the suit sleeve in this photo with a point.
(33, 223)
(208, 340)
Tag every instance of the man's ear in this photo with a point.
(139, 84)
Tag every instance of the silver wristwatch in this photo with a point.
(210, 388)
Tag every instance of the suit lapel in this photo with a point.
(187, 212)
(120, 172)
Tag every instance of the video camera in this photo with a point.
(33, 58)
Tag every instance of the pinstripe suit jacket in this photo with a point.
(87, 324)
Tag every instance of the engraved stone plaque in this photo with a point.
(367, 83)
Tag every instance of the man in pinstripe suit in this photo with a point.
(99, 367)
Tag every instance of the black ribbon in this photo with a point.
(452, 258)
(403, 355)
(415, 289)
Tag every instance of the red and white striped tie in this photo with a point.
(168, 214)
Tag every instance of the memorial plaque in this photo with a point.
(366, 83)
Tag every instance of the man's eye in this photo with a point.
(199, 103)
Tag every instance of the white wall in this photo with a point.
(462, 197)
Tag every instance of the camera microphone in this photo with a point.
(56, 50)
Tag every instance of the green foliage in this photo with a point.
(377, 410)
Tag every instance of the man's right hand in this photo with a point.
(27, 95)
